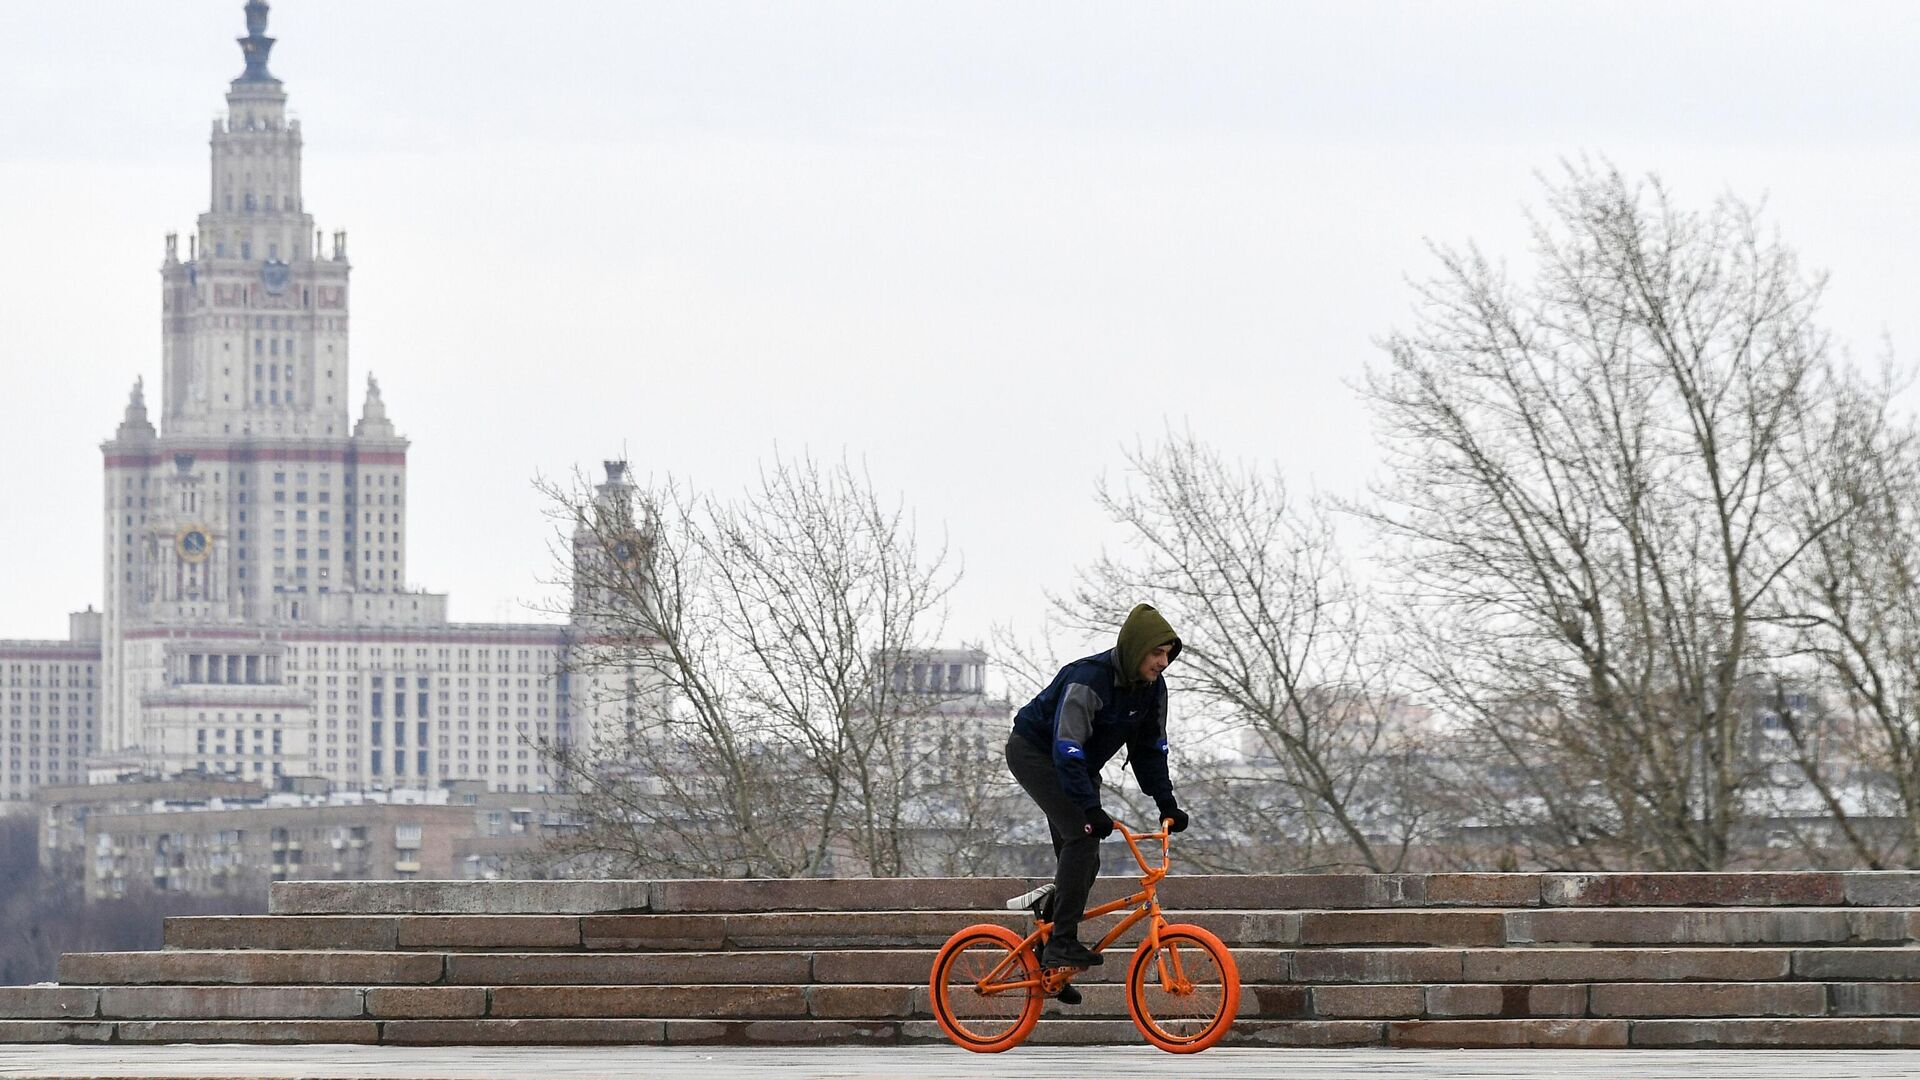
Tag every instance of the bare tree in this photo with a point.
(1281, 656)
(1853, 722)
(1591, 502)
(739, 666)
(43, 916)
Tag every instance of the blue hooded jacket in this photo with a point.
(1087, 714)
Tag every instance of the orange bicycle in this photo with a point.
(1183, 988)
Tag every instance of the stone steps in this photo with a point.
(1794, 959)
(910, 966)
(1190, 892)
(1793, 1033)
(874, 1002)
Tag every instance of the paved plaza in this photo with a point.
(232, 1062)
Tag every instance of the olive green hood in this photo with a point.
(1144, 631)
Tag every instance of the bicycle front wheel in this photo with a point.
(1183, 994)
(986, 989)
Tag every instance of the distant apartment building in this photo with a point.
(229, 852)
(65, 811)
(50, 706)
(213, 837)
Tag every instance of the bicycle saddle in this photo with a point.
(1034, 900)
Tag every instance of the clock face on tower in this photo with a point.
(274, 276)
(194, 543)
(626, 550)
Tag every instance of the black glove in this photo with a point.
(1099, 825)
(1170, 811)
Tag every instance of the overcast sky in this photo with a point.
(978, 247)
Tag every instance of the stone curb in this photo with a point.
(1196, 892)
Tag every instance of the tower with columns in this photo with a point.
(253, 503)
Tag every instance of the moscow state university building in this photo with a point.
(256, 619)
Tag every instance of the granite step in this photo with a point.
(641, 933)
(864, 1002)
(869, 929)
(1751, 1033)
(1183, 891)
(910, 966)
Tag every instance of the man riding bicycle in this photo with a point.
(1060, 740)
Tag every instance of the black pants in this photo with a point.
(1078, 851)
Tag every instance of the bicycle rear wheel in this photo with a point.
(978, 1009)
(1183, 994)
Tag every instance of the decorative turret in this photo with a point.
(613, 501)
(256, 45)
(373, 415)
(611, 550)
(135, 426)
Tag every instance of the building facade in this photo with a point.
(222, 836)
(257, 619)
(49, 702)
(65, 811)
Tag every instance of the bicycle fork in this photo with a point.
(1173, 978)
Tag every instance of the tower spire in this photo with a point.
(256, 45)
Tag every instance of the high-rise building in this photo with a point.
(257, 618)
(49, 706)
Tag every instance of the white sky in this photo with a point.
(977, 246)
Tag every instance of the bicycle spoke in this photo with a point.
(979, 1011)
(1172, 975)
(1181, 995)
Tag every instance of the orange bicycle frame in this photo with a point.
(1145, 904)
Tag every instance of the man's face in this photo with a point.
(1156, 662)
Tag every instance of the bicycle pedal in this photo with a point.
(1068, 995)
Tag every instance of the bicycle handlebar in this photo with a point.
(1165, 836)
(1165, 825)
